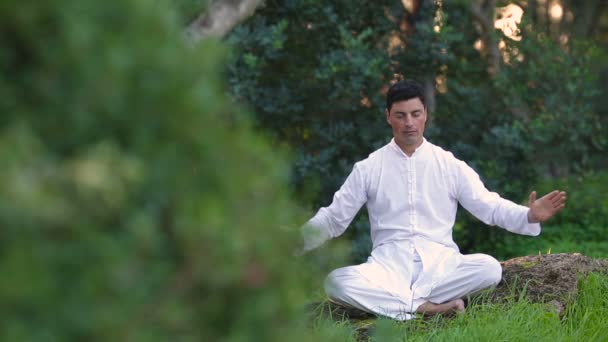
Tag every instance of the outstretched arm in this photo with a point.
(545, 207)
(332, 221)
(488, 206)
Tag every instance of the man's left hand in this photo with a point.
(545, 207)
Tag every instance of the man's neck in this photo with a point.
(409, 149)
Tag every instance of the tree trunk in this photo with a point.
(483, 12)
(586, 17)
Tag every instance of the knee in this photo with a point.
(335, 286)
(492, 271)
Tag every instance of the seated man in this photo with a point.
(412, 189)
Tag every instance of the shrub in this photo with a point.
(136, 203)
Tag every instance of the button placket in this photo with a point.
(412, 174)
(410, 200)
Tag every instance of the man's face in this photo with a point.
(407, 118)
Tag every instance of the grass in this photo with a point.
(586, 319)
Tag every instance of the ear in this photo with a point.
(386, 112)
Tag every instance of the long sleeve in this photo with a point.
(332, 221)
(488, 206)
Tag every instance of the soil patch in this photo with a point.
(549, 278)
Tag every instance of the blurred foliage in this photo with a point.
(315, 74)
(188, 10)
(136, 203)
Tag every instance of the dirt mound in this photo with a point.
(551, 278)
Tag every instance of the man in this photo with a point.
(412, 189)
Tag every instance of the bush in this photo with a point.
(135, 201)
(581, 227)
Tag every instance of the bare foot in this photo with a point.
(451, 307)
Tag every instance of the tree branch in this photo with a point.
(221, 17)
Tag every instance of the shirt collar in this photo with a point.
(419, 150)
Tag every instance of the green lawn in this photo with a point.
(586, 319)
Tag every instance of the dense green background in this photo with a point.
(316, 72)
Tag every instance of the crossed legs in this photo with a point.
(347, 286)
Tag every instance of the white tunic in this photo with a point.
(412, 203)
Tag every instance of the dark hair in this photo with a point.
(404, 90)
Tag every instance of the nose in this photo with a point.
(409, 122)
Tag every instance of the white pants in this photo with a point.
(347, 286)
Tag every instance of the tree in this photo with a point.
(315, 74)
